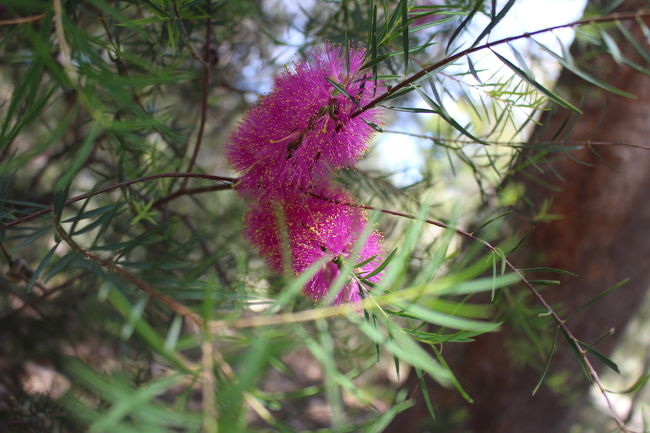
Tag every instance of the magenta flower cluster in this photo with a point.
(286, 148)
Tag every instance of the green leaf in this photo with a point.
(365, 262)
(134, 315)
(373, 125)
(612, 48)
(545, 282)
(391, 23)
(459, 29)
(439, 109)
(644, 28)
(37, 233)
(404, 348)
(209, 290)
(462, 308)
(494, 21)
(640, 383)
(381, 58)
(405, 35)
(544, 269)
(409, 109)
(92, 213)
(372, 38)
(40, 268)
(451, 287)
(491, 220)
(431, 24)
(25, 90)
(577, 352)
(472, 70)
(120, 17)
(382, 421)
(439, 338)
(323, 351)
(342, 90)
(605, 360)
(381, 267)
(173, 333)
(143, 212)
(446, 320)
(63, 183)
(60, 265)
(132, 402)
(552, 96)
(602, 295)
(548, 362)
(296, 284)
(103, 222)
(424, 389)
(121, 304)
(585, 76)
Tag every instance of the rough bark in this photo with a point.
(604, 236)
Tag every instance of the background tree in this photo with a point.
(127, 283)
(589, 215)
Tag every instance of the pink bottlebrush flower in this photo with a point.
(315, 228)
(286, 146)
(304, 128)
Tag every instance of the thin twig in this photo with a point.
(46, 294)
(10, 260)
(65, 57)
(22, 20)
(210, 412)
(168, 301)
(287, 318)
(449, 60)
(228, 180)
(207, 73)
(186, 33)
(24, 301)
(190, 191)
(583, 143)
(123, 70)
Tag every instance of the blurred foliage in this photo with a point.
(149, 311)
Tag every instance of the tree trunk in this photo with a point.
(603, 235)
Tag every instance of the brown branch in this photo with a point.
(449, 60)
(229, 180)
(573, 340)
(46, 294)
(22, 20)
(24, 301)
(8, 257)
(18, 270)
(190, 191)
(166, 300)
